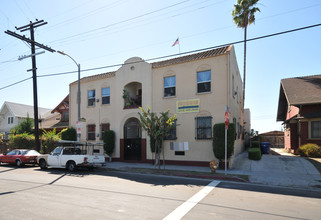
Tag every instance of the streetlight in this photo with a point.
(78, 94)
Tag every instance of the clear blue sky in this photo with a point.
(99, 33)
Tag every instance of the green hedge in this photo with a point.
(310, 150)
(109, 141)
(219, 140)
(69, 134)
(22, 141)
(254, 154)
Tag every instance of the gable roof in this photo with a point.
(298, 91)
(302, 90)
(192, 57)
(21, 110)
(64, 104)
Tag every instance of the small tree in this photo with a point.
(109, 142)
(219, 140)
(157, 128)
(69, 134)
(49, 140)
(24, 126)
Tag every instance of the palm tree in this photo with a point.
(243, 15)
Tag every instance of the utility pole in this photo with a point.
(33, 45)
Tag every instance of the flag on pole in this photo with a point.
(176, 42)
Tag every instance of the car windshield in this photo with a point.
(13, 152)
(57, 150)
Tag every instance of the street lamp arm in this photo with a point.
(63, 53)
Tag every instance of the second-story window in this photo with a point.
(204, 81)
(170, 86)
(91, 97)
(10, 120)
(105, 95)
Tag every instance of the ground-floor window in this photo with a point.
(315, 129)
(203, 127)
(104, 127)
(91, 132)
(172, 133)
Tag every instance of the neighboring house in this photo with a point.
(11, 114)
(300, 110)
(58, 118)
(196, 87)
(275, 138)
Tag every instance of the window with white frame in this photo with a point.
(170, 86)
(105, 95)
(10, 120)
(203, 127)
(204, 81)
(91, 97)
(315, 129)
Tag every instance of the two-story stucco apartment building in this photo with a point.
(196, 87)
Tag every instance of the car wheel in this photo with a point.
(18, 163)
(71, 166)
(43, 164)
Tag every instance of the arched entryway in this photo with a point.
(132, 140)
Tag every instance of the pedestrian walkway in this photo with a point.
(279, 170)
(276, 170)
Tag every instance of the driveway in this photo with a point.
(279, 170)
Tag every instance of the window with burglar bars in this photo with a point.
(91, 132)
(104, 127)
(172, 133)
(203, 127)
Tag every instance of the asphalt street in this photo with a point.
(31, 193)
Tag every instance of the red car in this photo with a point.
(20, 157)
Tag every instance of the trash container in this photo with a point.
(265, 147)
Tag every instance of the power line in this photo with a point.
(15, 83)
(124, 21)
(185, 53)
(172, 55)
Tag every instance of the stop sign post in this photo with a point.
(227, 120)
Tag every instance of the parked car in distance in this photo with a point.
(20, 157)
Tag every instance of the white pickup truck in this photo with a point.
(71, 155)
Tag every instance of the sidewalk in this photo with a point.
(279, 170)
(276, 170)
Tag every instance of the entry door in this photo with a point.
(132, 142)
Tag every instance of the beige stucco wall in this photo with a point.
(133, 70)
(223, 68)
(211, 104)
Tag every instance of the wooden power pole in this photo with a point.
(33, 45)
